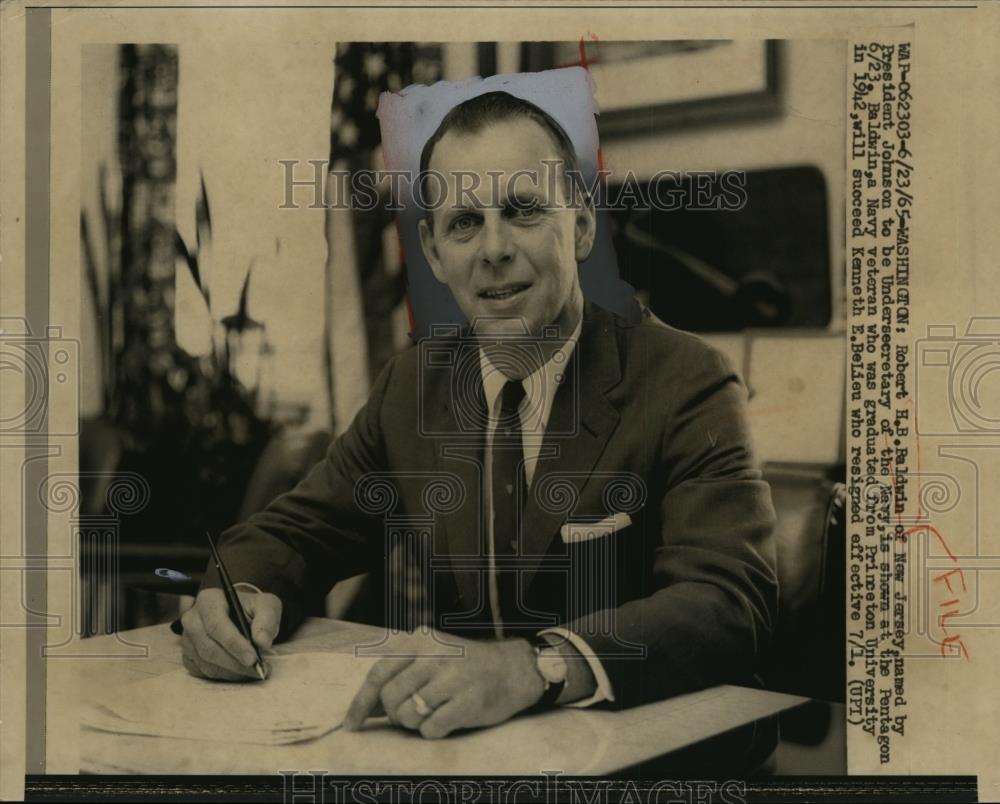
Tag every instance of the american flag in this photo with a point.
(367, 316)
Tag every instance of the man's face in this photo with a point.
(508, 248)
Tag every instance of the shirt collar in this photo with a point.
(539, 386)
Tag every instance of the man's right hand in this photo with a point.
(213, 646)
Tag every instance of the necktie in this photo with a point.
(508, 488)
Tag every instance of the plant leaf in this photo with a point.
(191, 260)
(101, 310)
(90, 264)
(244, 298)
(106, 215)
(203, 237)
(202, 214)
(241, 321)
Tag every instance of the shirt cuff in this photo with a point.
(604, 691)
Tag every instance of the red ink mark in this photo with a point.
(928, 528)
(957, 638)
(406, 281)
(585, 62)
(945, 575)
(945, 616)
(600, 150)
(931, 529)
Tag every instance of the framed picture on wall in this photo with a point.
(643, 87)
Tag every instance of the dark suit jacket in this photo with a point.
(649, 421)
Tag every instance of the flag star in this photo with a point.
(349, 134)
(374, 65)
(345, 90)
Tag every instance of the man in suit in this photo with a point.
(600, 531)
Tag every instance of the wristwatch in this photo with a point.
(551, 667)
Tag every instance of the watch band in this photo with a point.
(553, 689)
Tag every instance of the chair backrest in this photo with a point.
(807, 654)
(286, 459)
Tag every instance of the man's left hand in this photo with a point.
(490, 682)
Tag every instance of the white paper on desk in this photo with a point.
(306, 695)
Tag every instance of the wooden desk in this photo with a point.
(573, 741)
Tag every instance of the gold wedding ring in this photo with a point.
(421, 705)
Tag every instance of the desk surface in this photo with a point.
(572, 741)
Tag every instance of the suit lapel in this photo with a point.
(580, 423)
(455, 405)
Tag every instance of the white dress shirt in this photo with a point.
(540, 389)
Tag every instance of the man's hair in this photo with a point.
(475, 114)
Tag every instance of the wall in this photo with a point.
(237, 117)
(797, 378)
(98, 141)
(810, 131)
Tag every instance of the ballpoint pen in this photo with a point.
(235, 607)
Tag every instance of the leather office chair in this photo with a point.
(284, 462)
(807, 654)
